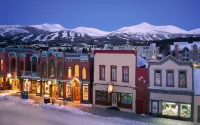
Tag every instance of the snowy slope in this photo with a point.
(151, 29)
(49, 27)
(90, 31)
(195, 31)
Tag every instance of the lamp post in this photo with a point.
(9, 76)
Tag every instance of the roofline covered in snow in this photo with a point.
(116, 51)
(173, 59)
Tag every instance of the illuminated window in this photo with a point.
(1, 66)
(185, 110)
(169, 108)
(76, 71)
(69, 72)
(84, 73)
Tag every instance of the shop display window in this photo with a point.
(169, 108)
(185, 110)
(126, 98)
(38, 87)
(85, 92)
(68, 91)
(1, 81)
(101, 95)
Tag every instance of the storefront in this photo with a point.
(14, 82)
(171, 109)
(77, 91)
(109, 96)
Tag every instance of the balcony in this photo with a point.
(30, 74)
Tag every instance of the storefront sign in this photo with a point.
(110, 88)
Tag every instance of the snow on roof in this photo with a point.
(141, 62)
(182, 45)
(196, 81)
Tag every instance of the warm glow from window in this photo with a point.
(76, 71)
(84, 73)
(69, 72)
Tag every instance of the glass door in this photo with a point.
(114, 99)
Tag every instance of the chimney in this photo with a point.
(195, 52)
(176, 51)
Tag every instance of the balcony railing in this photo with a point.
(30, 74)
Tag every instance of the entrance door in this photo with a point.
(154, 107)
(114, 99)
(77, 94)
(139, 106)
(198, 113)
(55, 90)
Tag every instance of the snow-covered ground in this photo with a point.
(13, 111)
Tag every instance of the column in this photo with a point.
(41, 88)
(64, 90)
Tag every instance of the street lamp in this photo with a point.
(9, 76)
(49, 82)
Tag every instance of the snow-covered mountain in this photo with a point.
(51, 32)
(49, 27)
(148, 32)
(195, 31)
(91, 31)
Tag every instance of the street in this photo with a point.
(21, 114)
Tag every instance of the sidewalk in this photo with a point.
(112, 113)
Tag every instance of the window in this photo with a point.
(101, 72)
(101, 95)
(125, 74)
(157, 77)
(68, 91)
(1, 65)
(85, 92)
(44, 69)
(170, 78)
(126, 98)
(182, 79)
(169, 108)
(76, 69)
(60, 70)
(113, 73)
(185, 110)
(69, 72)
(52, 68)
(21, 65)
(84, 73)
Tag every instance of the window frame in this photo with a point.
(155, 77)
(180, 80)
(123, 74)
(111, 74)
(100, 72)
(167, 78)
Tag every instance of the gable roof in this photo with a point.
(173, 59)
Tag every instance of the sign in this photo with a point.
(110, 88)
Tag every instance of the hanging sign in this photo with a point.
(110, 88)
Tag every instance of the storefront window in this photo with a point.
(46, 89)
(185, 110)
(85, 92)
(126, 98)
(84, 73)
(169, 108)
(69, 72)
(1, 65)
(38, 87)
(101, 95)
(61, 89)
(1, 81)
(68, 91)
